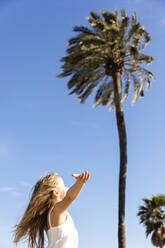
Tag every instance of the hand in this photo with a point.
(83, 178)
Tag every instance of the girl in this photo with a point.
(47, 211)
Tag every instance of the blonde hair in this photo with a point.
(34, 220)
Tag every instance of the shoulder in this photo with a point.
(57, 218)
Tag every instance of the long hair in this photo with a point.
(34, 220)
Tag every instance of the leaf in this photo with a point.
(134, 18)
(87, 92)
(84, 30)
(109, 17)
(123, 27)
(117, 17)
(104, 93)
(123, 13)
(94, 15)
(73, 40)
(133, 30)
(127, 88)
(136, 88)
(64, 74)
(147, 38)
(133, 51)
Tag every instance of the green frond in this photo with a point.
(84, 30)
(103, 94)
(138, 36)
(150, 227)
(98, 24)
(92, 62)
(112, 34)
(134, 18)
(149, 73)
(76, 90)
(80, 86)
(71, 49)
(91, 42)
(147, 39)
(134, 27)
(142, 79)
(133, 51)
(74, 40)
(151, 213)
(94, 15)
(144, 58)
(127, 88)
(87, 92)
(79, 60)
(158, 200)
(75, 57)
(141, 212)
(106, 100)
(117, 18)
(136, 88)
(146, 201)
(124, 24)
(133, 30)
(123, 13)
(109, 17)
(74, 80)
(123, 27)
(85, 79)
(143, 219)
(64, 74)
(142, 208)
(89, 72)
(141, 38)
(145, 74)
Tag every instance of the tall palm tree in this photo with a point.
(152, 215)
(107, 57)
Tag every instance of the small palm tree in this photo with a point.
(152, 215)
(107, 58)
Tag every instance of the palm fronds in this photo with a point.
(111, 44)
(152, 216)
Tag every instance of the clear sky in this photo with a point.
(42, 128)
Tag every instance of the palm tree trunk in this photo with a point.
(123, 159)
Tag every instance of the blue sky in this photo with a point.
(42, 128)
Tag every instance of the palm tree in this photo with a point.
(152, 215)
(107, 57)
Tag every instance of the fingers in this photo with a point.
(83, 178)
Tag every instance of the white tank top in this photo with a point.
(62, 236)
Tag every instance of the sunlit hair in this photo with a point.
(33, 222)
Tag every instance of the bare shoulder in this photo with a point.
(58, 218)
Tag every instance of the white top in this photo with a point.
(62, 236)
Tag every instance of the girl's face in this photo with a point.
(61, 187)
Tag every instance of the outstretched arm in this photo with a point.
(72, 192)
